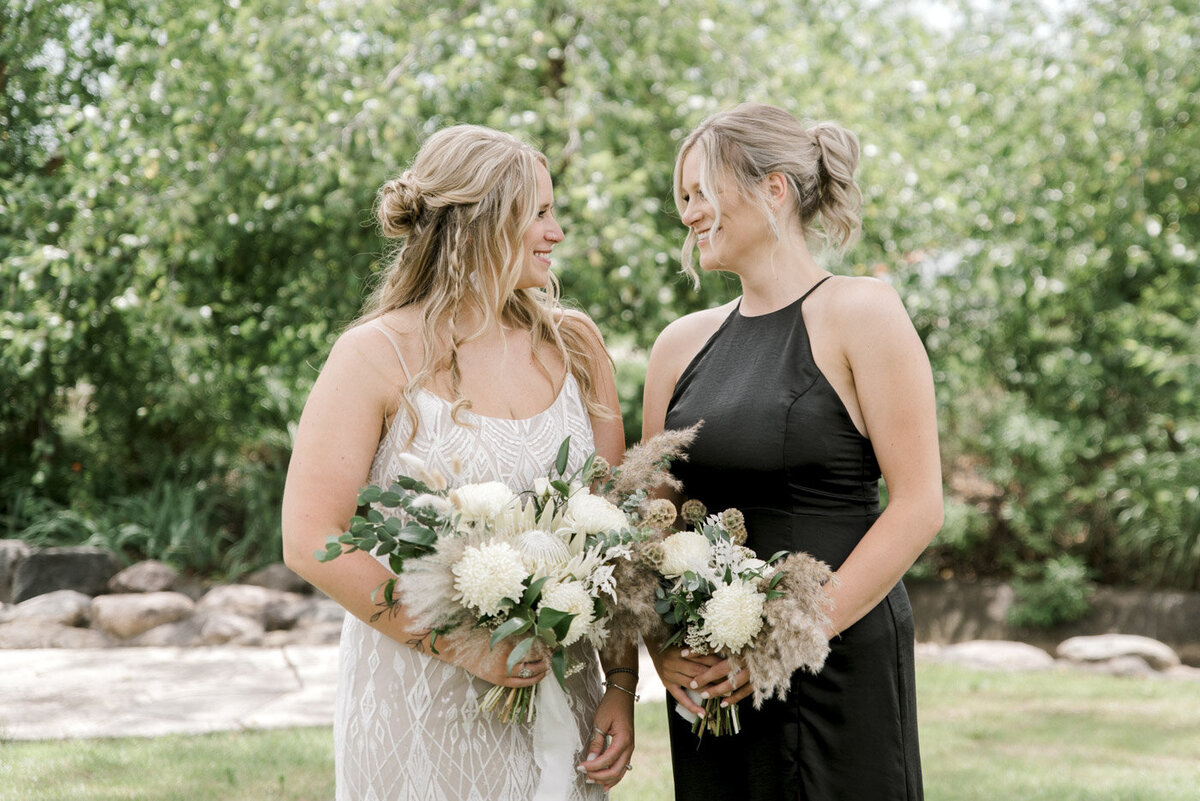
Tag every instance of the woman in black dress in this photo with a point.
(811, 387)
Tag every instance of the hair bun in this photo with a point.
(400, 205)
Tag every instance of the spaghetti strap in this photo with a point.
(381, 328)
(813, 288)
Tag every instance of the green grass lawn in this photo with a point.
(1054, 736)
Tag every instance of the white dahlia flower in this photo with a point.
(487, 574)
(591, 514)
(573, 598)
(733, 616)
(684, 551)
(479, 503)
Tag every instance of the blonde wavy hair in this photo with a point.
(459, 213)
(752, 140)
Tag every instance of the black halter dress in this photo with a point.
(778, 443)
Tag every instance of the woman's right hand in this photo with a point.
(492, 665)
(678, 668)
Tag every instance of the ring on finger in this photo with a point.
(525, 673)
(628, 766)
(599, 731)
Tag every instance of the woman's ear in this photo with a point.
(777, 190)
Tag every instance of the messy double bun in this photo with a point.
(399, 206)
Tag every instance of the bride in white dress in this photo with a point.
(464, 358)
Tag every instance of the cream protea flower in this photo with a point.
(733, 616)
(693, 512)
(591, 514)
(543, 551)
(684, 551)
(734, 522)
(481, 502)
(487, 574)
(573, 598)
(659, 513)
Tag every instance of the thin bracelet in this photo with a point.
(636, 697)
(608, 674)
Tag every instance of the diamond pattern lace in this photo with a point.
(407, 727)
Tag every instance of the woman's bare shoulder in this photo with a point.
(692, 327)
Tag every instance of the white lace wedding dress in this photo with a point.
(407, 727)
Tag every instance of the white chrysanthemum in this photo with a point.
(733, 616)
(591, 514)
(543, 551)
(573, 598)
(684, 551)
(481, 502)
(487, 574)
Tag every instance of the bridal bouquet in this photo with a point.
(482, 562)
(715, 596)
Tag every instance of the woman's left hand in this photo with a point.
(719, 681)
(610, 746)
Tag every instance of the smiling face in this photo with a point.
(729, 229)
(541, 237)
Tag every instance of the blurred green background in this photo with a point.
(185, 227)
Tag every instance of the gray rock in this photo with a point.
(997, 655)
(246, 600)
(285, 613)
(220, 627)
(317, 634)
(321, 611)
(12, 552)
(41, 634)
(1117, 666)
(84, 569)
(148, 576)
(129, 614)
(278, 576)
(180, 634)
(1105, 647)
(67, 607)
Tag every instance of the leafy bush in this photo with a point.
(1051, 592)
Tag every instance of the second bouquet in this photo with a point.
(716, 596)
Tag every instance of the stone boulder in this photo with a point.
(148, 576)
(221, 627)
(1107, 647)
(997, 655)
(44, 634)
(247, 600)
(129, 614)
(83, 569)
(278, 576)
(66, 607)
(12, 552)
